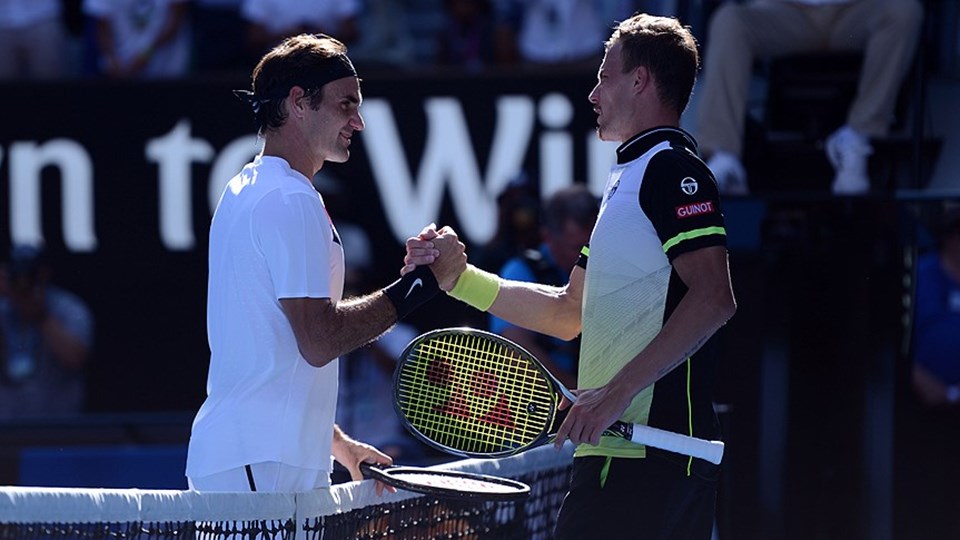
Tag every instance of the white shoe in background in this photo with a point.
(729, 172)
(847, 151)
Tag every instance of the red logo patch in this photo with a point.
(695, 209)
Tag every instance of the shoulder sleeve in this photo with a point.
(292, 234)
(680, 197)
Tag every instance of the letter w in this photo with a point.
(448, 159)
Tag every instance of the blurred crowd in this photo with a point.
(44, 39)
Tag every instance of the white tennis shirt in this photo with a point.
(270, 238)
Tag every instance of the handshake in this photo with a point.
(441, 250)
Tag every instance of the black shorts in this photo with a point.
(650, 498)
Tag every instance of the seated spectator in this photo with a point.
(466, 39)
(384, 35)
(936, 349)
(45, 339)
(885, 30)
(146, 39)
(269, 21)
(568, 219)
(555, 32)
(32, 39)
(219, 36)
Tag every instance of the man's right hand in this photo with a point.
(420, 249)
(441, 249)
(452, 260)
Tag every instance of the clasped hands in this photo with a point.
(441, 249)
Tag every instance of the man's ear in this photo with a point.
(296, 101)
(641, 79)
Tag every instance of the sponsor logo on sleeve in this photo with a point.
(695, 209)
(689, 185)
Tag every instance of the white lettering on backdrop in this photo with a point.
(411, 198)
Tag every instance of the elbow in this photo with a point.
(567, 328)
(569, 332)
(727, 308)
(317, 356)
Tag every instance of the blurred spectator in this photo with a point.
(141, 38)
(32, 39)
(466, 40)
(555, 31)
(886, 30)
(45, 339)
(568, 218)
(218, 36)
(518, 225)
(269, 21)
(384, 35)
(936, 349)
(365, 404)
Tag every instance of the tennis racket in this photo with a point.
(447, 484)
(475, 394)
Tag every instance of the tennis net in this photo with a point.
(346, 511)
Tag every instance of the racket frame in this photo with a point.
(557, 391)
(711, 451)
(392, 475)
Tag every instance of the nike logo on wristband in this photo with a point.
(416, 283)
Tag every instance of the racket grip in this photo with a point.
(711, 451)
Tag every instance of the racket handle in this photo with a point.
(711, 451)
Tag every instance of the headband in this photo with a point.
(332, 69)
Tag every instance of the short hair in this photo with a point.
(666, 48)
(574, 203)
(304, 60)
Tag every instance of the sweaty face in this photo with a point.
(611, 97)
(333, 124)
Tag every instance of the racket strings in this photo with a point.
(474, 394)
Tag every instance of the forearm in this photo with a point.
(693, 322)
(345, 326)
(541, 308)
(546, 309)
(325, 329)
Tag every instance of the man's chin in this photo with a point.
(603, 135)
(342, 158)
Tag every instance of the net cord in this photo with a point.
(82, 505)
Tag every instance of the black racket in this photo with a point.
(447, 484)
(475, 394)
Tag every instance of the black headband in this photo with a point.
(334, 68)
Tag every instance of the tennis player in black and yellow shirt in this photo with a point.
(655, 291)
